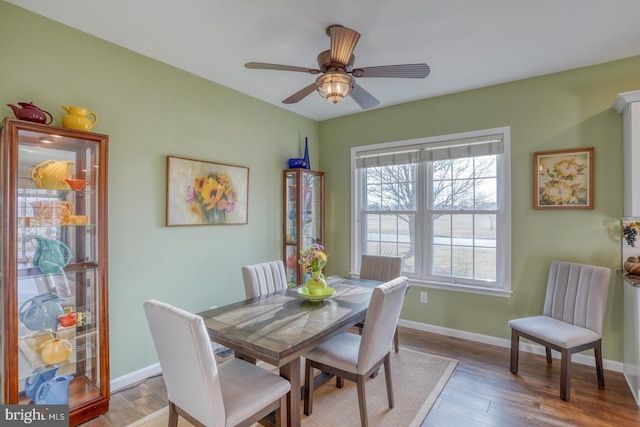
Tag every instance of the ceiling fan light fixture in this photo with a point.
(335, 85)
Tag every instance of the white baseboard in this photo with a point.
(584, 359)
(528, 347)
(133, 377)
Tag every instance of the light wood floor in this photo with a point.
(481, 392)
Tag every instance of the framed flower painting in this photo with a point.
(206, 193)
(563, 179)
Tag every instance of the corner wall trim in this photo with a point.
(583, 359)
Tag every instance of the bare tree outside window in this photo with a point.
(462, 204)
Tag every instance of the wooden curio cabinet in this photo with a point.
(53, 253)
(303, 223)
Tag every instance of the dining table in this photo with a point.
(280, 327)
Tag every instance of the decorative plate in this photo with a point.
(304, 293)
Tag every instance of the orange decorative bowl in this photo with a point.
(77, 184)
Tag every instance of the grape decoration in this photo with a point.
(630, 234)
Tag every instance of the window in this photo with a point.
(442, 204)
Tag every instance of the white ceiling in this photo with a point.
(467, 43)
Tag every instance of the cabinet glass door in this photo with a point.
(54, 265)
(303, 218)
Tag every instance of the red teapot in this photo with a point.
(31, 113)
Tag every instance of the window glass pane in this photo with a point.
(463, 192)
(485, 262)
(389, 228)
(462, 261)
(441, 169)
(373, 175)
(485, 230)
(407, 252)
(487, 194)
(442, 195)
(391, 187)
(462, 168)
(442, 229)
(441, 260)
(485, 166)
(372, 226)
(372, 248)
(374, 195)
(462, 230)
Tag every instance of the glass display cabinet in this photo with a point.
(303, 223)
(53, 261)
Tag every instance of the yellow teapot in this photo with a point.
(78, 118)
(51, 174)
(55, 350)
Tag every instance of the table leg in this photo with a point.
(244, 357)
(291, 372)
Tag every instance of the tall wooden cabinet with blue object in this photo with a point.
(53, 260)
(303, 223)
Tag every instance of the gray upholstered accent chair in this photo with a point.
(235, 393)
(355, 357)
(264, 278)
(572, 318)
(382, 268)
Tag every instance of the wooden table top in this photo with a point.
(281, 326)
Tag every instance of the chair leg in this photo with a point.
(548, 353)
(362, 401)
(515, 341)
(387, 376)
(173, 415)
(597, 349)
(565, 375)
(308, 387)
(396, 341)
(339, 382)
(281, 412)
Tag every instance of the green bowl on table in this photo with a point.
(304, 293)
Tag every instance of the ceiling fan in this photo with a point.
(338, 75)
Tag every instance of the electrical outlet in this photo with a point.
(423, 297)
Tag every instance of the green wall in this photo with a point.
(559, 111)
(151, 110)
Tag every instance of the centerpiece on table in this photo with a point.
(313, 260)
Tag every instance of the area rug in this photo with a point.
(418, 378)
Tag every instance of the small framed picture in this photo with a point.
(563, 179)
(206, 193)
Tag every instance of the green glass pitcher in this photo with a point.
(51, 255)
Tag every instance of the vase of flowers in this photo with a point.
(313, 261)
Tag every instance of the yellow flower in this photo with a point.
(559, 192)
(567, 168)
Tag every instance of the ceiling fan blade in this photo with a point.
(364, 99)
(300, 94)
(265, 66)
(343, 42)
(406, 71)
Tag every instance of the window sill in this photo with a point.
(457, 287)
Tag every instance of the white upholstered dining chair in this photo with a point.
(382, 268)
(571, 320)
(355, 357)
(264, 278)
(235, 393)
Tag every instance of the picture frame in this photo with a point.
(563, 179)
(202, 192)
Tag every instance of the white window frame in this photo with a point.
(502, 286)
